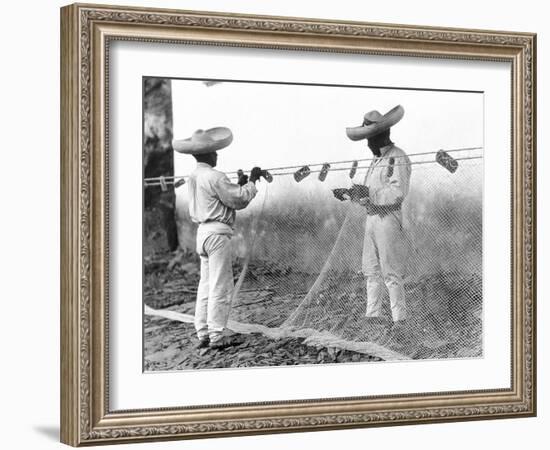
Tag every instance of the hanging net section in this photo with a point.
(302, 253)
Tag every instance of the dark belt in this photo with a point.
(214, 220)
(382, 210)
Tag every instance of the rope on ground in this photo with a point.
(312, 337)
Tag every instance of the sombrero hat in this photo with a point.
(204, 141)
(375, 123)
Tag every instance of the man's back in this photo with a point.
(212, 196)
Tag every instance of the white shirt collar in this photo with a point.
(385, 149)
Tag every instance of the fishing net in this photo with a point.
(298, 261)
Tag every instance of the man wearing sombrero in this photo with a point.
(384, 248)
(213, 200)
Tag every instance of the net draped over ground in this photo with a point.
(303, 250)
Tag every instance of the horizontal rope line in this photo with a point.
(339, 169)
(463, 149)
(371, 159)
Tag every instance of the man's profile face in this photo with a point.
(377, 141)
(214, 159)
(373, 147)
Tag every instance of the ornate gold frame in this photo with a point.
(86, 31)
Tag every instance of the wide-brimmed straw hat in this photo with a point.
(204, 141)
(375, 123)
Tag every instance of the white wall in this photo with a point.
(29, 238)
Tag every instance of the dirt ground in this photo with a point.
(170, 345)
(170, 283)
(272, 292)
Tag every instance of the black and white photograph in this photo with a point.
(266, 225)
(297, 224)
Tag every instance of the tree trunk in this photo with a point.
(160, 231)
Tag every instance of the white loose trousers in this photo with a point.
(216, 283)
(384, 261)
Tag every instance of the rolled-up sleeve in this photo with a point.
(396, 187)
(233, 195)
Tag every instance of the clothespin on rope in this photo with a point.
(268, 177)
(442, 157)
(179, 183)
(353, 169)
(391, 162)
(324, 172)
(163, 185)
(301, 173)
(446, 160)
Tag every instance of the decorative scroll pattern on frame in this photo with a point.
(88, 16)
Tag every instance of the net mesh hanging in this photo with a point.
(303, 253)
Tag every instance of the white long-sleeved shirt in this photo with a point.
(213, 198)
(389, 183)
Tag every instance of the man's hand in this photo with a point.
(341, 194)
(365, 201)
(255, 174)
(243, 179)
(357, 194)
(360, 194)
